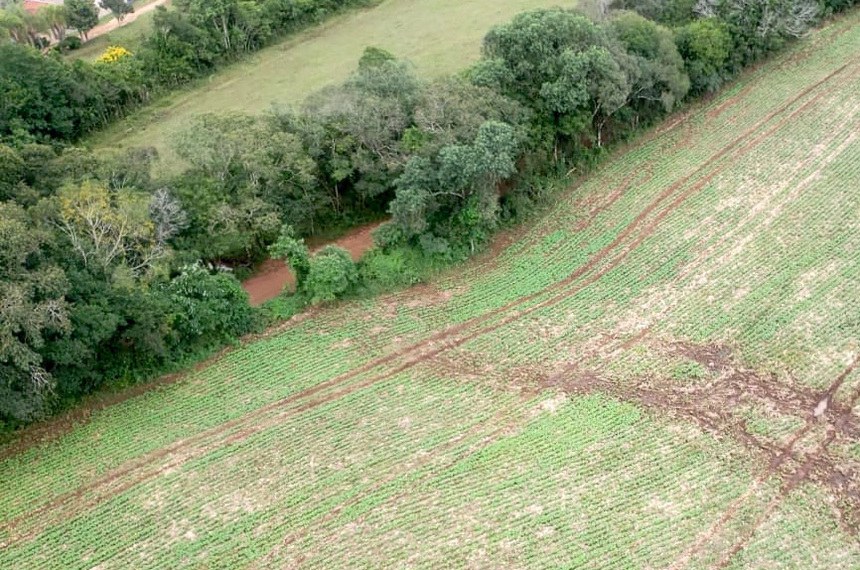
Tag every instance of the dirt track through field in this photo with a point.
(802, 473)
(605, 260)
(114, 24)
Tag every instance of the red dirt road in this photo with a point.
(274, 275)
(113, 24)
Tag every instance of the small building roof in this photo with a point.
(34, 6)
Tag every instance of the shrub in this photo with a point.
(70, 43)
(332, 274)
(384, 271)
(113, 54)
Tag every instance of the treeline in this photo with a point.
(52, 99)
(109, 274)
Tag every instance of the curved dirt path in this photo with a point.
(113, 24)
(273, 275)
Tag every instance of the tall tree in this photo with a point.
(653, 64)
(109, 228)
(82, 15)
(23, 27)
(706, 46)
(559, 63)
(454, 194)
(119, 8)
(218, 16)
(57, 20)
(12, 25)
(32, 306)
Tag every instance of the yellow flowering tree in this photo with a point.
(113, 54)
(105, 227)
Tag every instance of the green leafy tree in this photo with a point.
(758, 27)
(590, 88)
(24, 27)
(240, 231)
(37, 94)
(354, 133)
(12, 169)
(12, 26)
(33, 307)
(81, 15)
(217, 16)
(332, 274)
(57, 20)
(559, 63)
(706, 47)
(452, 110)
(177, 50)
(119, 8)
(454, 194)
(654, 68)
(294, 252)
(245, 150)
(210, 307)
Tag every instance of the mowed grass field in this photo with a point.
(660, 372)
(437, 36)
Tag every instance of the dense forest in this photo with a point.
(109, 273)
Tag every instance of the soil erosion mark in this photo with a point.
(775, 464)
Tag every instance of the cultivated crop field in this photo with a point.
(660, 372)
(438, 36)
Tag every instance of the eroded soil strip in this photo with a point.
(772, 469)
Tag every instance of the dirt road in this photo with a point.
(274, 275)
(113, 24)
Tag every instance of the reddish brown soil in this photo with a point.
(274, 275)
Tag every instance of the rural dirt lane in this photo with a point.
(273, 275)
(113, 24)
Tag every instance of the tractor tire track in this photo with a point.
(803, 472)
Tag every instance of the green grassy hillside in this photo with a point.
(438, 36)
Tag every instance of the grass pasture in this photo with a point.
(663, 371)
(438, 36)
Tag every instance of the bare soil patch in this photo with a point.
(273, 276)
